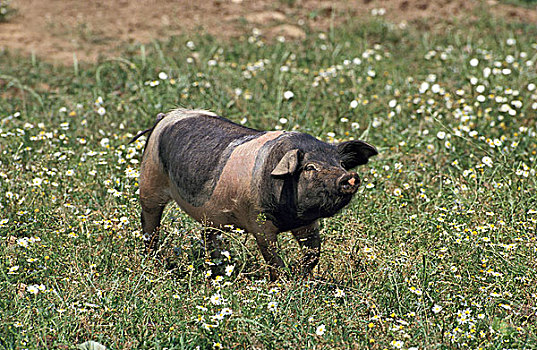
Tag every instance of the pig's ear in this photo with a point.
(288, 164)
(354, 153)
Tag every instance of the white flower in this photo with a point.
(99, 101)
(510, 41)
(101, 111)
(37, 181)
(474, 62)
(424, 87)
(441, 135)
(436, 308)
(320, 330)
(272, 306)
(505, 306)
(392, 103)
(339, 293)
(217, 299)
(531, 86)
(288, 95)
(162, 76)
(487, 161)
(416, 291)
(33, 289)
(274, 290)
(354, 104)
(398, 344)
(104, 142)
(283, 120)
(229, 269)
(131, 173)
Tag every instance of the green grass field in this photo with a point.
(438, 249)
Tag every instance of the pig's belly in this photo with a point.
(225, 211)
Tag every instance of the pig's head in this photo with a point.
(316, 179)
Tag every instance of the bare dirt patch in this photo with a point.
(57, 30)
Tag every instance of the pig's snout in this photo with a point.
(348, 183)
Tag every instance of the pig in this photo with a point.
(265, 182)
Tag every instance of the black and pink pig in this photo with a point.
(221, 173)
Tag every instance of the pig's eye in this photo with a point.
(310, 167)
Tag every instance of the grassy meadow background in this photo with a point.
(438, 249)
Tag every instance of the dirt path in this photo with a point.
(56, 30)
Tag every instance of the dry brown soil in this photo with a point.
(56, 30)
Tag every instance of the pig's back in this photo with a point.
(193, 149)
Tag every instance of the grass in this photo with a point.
(437, 250)
(523, 3)
(5, 10)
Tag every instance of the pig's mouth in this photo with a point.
(328, 205)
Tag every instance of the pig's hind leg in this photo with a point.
(153, 202)
(213, 246)
(151, 224)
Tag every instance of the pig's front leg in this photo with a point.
(309, 239)
(268, 245)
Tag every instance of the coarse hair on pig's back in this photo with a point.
(177, 112)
